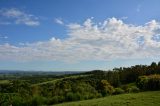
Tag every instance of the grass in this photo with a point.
(151, 98)
(4, 81)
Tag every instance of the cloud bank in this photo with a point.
(16, 16)
(107, 40)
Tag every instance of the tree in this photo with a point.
(153, 64)
(159, 63)
(105, 88)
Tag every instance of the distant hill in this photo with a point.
(21, 72)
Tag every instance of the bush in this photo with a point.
(38, 100)
(5, 99)
(17, 101)
(125, 88)
(105, 88)
(142, 82)
(118, 91)
(73, 96)
(133, 89)
(52, 100)
(151, 82)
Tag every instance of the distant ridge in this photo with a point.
(39, 72)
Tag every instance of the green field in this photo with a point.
(59, 79)
(4, 81)
(151, 98)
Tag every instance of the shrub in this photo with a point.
(52, 100)
(142, 82)
(72, 96)
(133, 89)
(38, 100)
(105, 88)
(125, 88)
(118, 91)
(151, 82)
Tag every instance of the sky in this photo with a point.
(78, 35)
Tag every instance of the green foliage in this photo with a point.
(38, 100)
(133, 89)
(142, 82)
(151, 82)
(118, 91)
(18, 101)
(36, 90)
(105, 88)
(131, 99)
(73, 96)
(5, 99)
(13, 99)
(153, 64)
(55, 100)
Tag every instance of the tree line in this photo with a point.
(88, 85)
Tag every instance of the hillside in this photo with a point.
(29, 89)
(133, 99)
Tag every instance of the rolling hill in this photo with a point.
(151, 98)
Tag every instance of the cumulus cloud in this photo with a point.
(112, 39)
(18, 17)
(58, 21)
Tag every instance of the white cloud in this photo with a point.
(18, 17)
(59, 21)
(112, 39)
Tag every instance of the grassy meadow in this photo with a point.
(151, 98)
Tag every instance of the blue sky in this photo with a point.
(78, 35)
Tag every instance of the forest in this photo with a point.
(49, 89)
